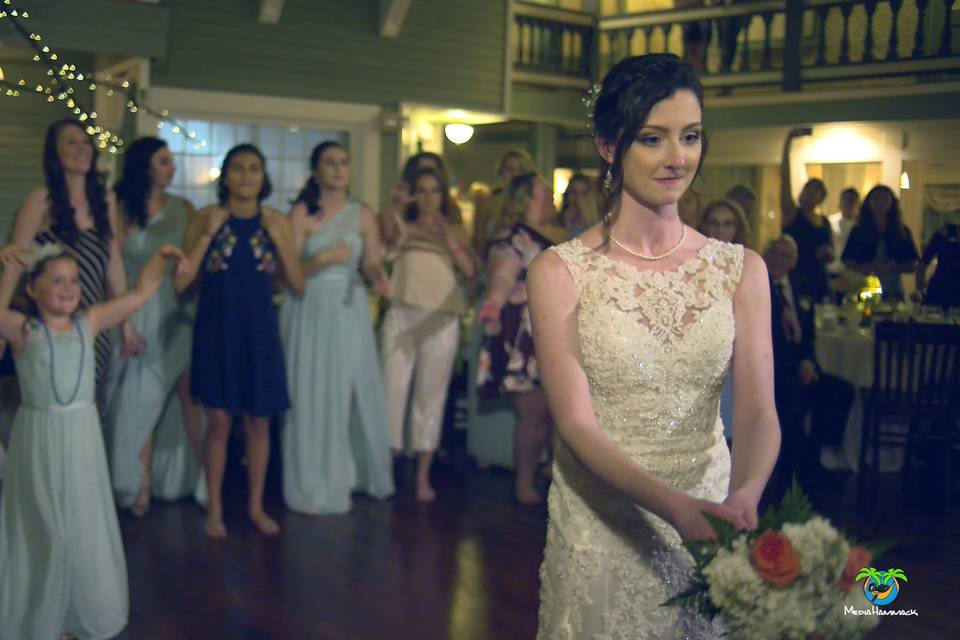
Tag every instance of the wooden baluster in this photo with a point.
(729, 29)
(628, 42)
(946, 36)
(647, 35)
(745, 50)
(767, 19)
(845, 42)
(919, 45)
(519, 49)
(611, 49)
(822, 13)
(556, 47)
(870, 6)
(587, 52)
(666, 29)
(570, 37)
(894, 42)
(561, 33)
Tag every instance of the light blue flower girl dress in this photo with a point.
(62, 568)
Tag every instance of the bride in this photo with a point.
(636, 324)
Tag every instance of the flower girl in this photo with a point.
(62, 568)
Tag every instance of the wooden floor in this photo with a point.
(463, 568)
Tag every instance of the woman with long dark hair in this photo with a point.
(635, 323)
(421, 329)
(880, 244)
(152, 387)
(75, 209)
(335, 433)
(237, 370)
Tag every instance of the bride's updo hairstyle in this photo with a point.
(629, 92)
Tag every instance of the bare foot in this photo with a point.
(214, 528)
(267, 525)
(142, 504)
(527, 496)
(425, 493)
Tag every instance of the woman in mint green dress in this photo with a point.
(62, 567)
(335, 433)
(152, 420)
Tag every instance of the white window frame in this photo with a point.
(361, 122)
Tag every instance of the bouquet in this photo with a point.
(793, 578)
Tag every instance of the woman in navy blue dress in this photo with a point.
(237, 367)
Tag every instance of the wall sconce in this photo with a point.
(904, 180)
(458, 133)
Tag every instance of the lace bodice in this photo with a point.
(656, 347)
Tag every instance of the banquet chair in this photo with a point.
(916, 379)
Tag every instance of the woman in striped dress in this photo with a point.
(75, 209)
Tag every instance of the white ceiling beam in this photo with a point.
(392, 15)
(270, 11)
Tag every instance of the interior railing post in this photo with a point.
(792, 79)
(946, 35)
(919, 44)
(894, 43)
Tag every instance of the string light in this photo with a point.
(62, 72)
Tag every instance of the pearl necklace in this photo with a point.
(683, 234)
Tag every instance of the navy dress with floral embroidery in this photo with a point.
(237, 362)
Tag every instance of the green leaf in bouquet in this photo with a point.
(695, 597)
(795, 508)
(702, 551)
(726, 533)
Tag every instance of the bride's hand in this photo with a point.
(745, 506)
(692, 525)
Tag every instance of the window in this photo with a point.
(198, 159)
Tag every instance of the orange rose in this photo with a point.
(774, 559)
(857, 559)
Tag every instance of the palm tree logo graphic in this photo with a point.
(881, 587)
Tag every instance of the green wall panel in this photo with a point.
(449, 52)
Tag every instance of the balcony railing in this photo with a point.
(772, 43)
(553, 46)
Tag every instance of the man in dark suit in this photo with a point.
(800, 387)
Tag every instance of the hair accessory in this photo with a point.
(41, 252)
(589, 103)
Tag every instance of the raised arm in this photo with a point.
(788, 206)
(196, 240)
(278, 228)
(12, 322)
(373, 252)
(390, 228)
(460, 247)
(32, 218)
(756, 428)
(553, 302)
(108, 314)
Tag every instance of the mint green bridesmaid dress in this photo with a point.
(335, 433)
(143, 397)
